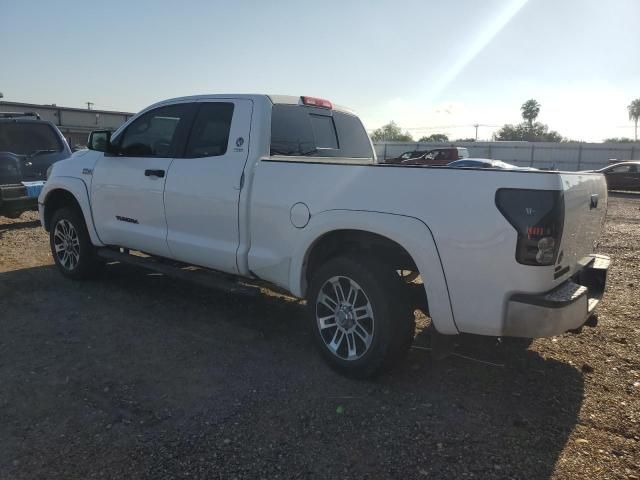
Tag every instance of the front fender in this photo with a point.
(409, 232)
(79, 190)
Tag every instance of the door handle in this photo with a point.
(154, 173)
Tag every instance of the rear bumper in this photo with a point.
(14, 200)
(566, 307)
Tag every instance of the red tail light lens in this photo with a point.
(538, 217)
(317, 102)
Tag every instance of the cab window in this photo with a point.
(209, 135)
(154, 134)
(316, 132)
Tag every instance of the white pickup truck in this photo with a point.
(288, 190)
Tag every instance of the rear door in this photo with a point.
(203, 185)
(127, 187)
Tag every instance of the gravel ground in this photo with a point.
(141, 376)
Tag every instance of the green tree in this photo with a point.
(391, 132)
(524, 132)
(435, 137)
(634, 114)
(528, 131)
(617, 140)
(470, 139)
(530, 110)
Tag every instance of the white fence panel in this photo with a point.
(560, 156)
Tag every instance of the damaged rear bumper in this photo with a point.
(566, 307)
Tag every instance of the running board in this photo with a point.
(189, 273)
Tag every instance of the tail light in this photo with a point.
(317, 102)
(538, 217)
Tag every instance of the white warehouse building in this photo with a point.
(74, 123)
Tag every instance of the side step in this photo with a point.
(201, 276)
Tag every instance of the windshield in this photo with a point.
(25, 138)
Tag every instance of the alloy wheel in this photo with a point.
(66, 244)
(344, 318)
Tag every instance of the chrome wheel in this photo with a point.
(344, 318)
(66, 244)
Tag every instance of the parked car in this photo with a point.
(287, 190)
(28, 147)
(485, 163)
(434, 157)
(622, 176)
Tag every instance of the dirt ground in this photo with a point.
(137, 375)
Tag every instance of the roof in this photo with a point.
(275, 99)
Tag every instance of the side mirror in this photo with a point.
(100, 140)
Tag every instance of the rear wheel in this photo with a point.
(362, 322)
(71, 246)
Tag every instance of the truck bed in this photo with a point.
(474, 241)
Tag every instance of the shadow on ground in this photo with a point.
(138, 375)
(5, 227)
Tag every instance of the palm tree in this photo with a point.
(530, 110)
(634, 113)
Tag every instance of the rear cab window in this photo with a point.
(24, 138)
(306, 131)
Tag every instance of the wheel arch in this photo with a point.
(401, 239)
(72, 192)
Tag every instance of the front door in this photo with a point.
(128, 186)
(203, 186)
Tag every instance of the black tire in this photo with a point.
(389, 328)
(87, 265)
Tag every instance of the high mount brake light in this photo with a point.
(316, 102)
(538, 217)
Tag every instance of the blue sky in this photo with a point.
(424, 64)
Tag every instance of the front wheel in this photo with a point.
(361, 319)
(71, 246)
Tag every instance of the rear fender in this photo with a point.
(409, 232)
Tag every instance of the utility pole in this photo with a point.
(476, 125)
(89, 105)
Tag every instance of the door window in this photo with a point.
(621, 169)
(154, 133)
(209, 136)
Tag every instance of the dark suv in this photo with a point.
(28, 147)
